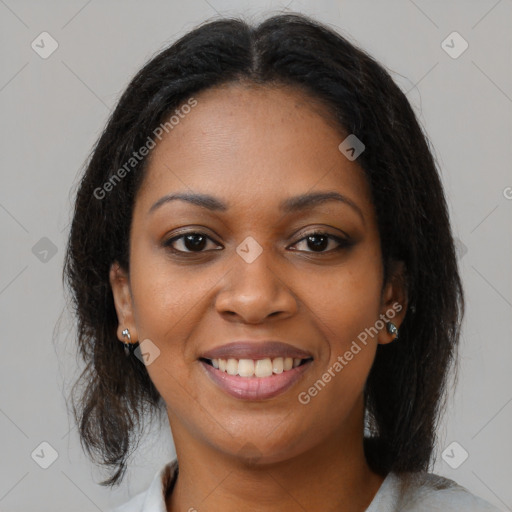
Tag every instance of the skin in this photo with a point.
(253, 147)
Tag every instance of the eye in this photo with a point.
(197, 242)
(189, 242)
(319, 242)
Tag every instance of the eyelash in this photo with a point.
(343, 242)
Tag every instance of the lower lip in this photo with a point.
(255, 388)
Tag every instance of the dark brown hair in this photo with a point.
(405, 390)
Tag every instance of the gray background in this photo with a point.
(53, 110)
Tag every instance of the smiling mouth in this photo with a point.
(256, 368)
(256, 379)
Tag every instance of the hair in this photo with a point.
(406, 389)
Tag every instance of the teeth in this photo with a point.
(263, 368)
(256, 368)
(245, 367)
(232, 367)
(278, 365)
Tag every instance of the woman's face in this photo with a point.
(249, 274)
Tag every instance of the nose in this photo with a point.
(253, 292)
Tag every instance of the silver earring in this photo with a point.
(127, 346)
(392, 329)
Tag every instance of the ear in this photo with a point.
(121, 291)
(394, 301)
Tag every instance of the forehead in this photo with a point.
(257, 144)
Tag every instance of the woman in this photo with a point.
(262, 230)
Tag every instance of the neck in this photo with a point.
(333, 475)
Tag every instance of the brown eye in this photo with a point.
(189, 242)
(318, 242)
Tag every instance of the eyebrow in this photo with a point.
(290, 205)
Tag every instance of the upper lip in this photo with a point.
(255, 350)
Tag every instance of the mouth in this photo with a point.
(255, 380)
(250, 368)
(255, 370)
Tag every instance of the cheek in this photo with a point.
(348, 305)
(169, 303)
(347, 314)
(330, 395)
(165, 297)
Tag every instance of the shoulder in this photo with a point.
(134, 505)
(422, 492)
(153, 499)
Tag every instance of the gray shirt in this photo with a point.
(410, 492)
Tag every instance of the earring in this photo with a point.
(127, 346)
(392, 329)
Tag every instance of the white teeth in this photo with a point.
(256, 368)
(246, 367)
(232, 367)
(263, 368)
(277, 365)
